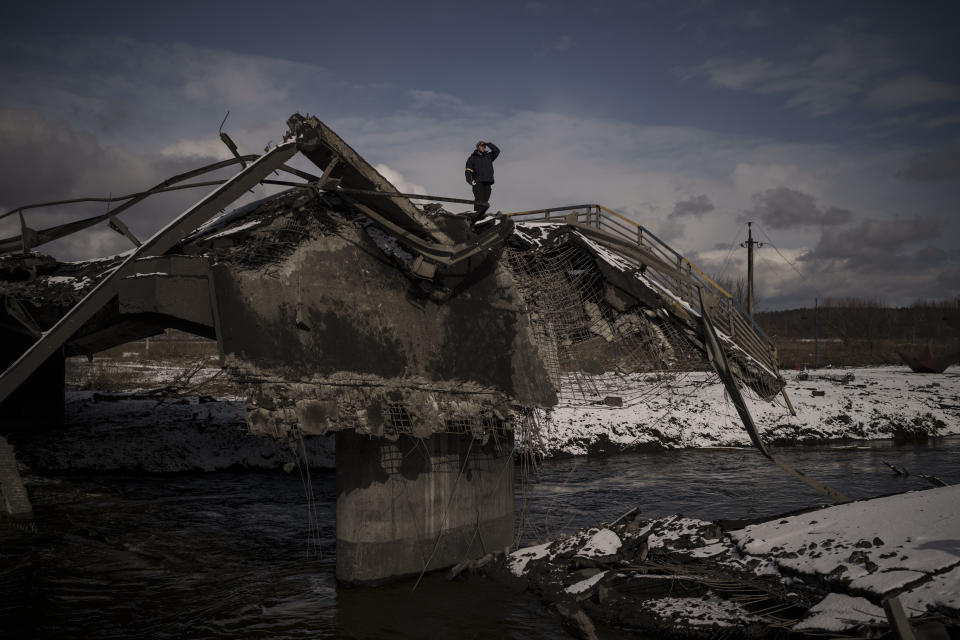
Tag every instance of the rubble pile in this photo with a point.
(817, 572)
(38, 289)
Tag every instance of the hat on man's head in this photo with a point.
(481, 142)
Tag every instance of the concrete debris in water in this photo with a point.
(820, 571)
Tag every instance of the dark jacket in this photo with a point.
(480, 165)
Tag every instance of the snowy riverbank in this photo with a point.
(691, 411)
(134, 431)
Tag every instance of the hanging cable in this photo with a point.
(726, 261)
(794, 266)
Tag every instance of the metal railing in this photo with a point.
(725, 310)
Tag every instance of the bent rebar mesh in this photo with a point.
(591, 350)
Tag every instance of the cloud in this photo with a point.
(669, 230)
(696, 206)
(396, 179)
(44, 160)
(208, 148)
(942, 121)
(729, 73)
(536, 8)
(917, 120)
(893, 260)
(112, 85)
(753, 177)
(785, 208)
(561, 43)
(888, 259)
(819, 91)
(753, 19)
(909, 91)
(933, 166)
(880, 245)
(949, 277)
(433, 99)
(822, 76)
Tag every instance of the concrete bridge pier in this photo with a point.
(420, 504)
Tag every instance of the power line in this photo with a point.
(795, 268)
(726, 262)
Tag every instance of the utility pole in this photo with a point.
(750, 244)
(816, 333)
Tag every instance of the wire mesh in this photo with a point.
(266, 251)
(421, 411)
(292, 220)
(591, 350)
(729, 317)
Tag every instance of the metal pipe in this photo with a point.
(816, 334)
(409, 196)
(161, 185)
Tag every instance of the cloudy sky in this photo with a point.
(833, 126)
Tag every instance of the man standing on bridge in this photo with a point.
(479, 174)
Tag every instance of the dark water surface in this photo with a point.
(230, 555)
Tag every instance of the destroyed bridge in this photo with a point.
(430, 348)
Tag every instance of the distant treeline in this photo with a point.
(856, 332)
(865, 319)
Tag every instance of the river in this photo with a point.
(230, 554)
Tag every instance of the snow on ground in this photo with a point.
(136, 372)
(943, 591)
(707, 611)
(686, 410)
(875, 546)
(838, 612)
(917, 539)
(692, 410)
(809, 570)
(521, 557)
(602, 543)
(585, 585)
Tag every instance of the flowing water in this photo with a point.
(230, 554)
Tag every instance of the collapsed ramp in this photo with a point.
(615, 310)
(610, 308)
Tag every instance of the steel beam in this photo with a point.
(31, 238)
(160, 243)
(320, 144)
(719, 361)
(410, 196)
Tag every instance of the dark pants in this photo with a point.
(481, 192)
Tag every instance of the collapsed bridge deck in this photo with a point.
(638, 295)
(346, 308)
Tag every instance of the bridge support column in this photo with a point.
(420, 504)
